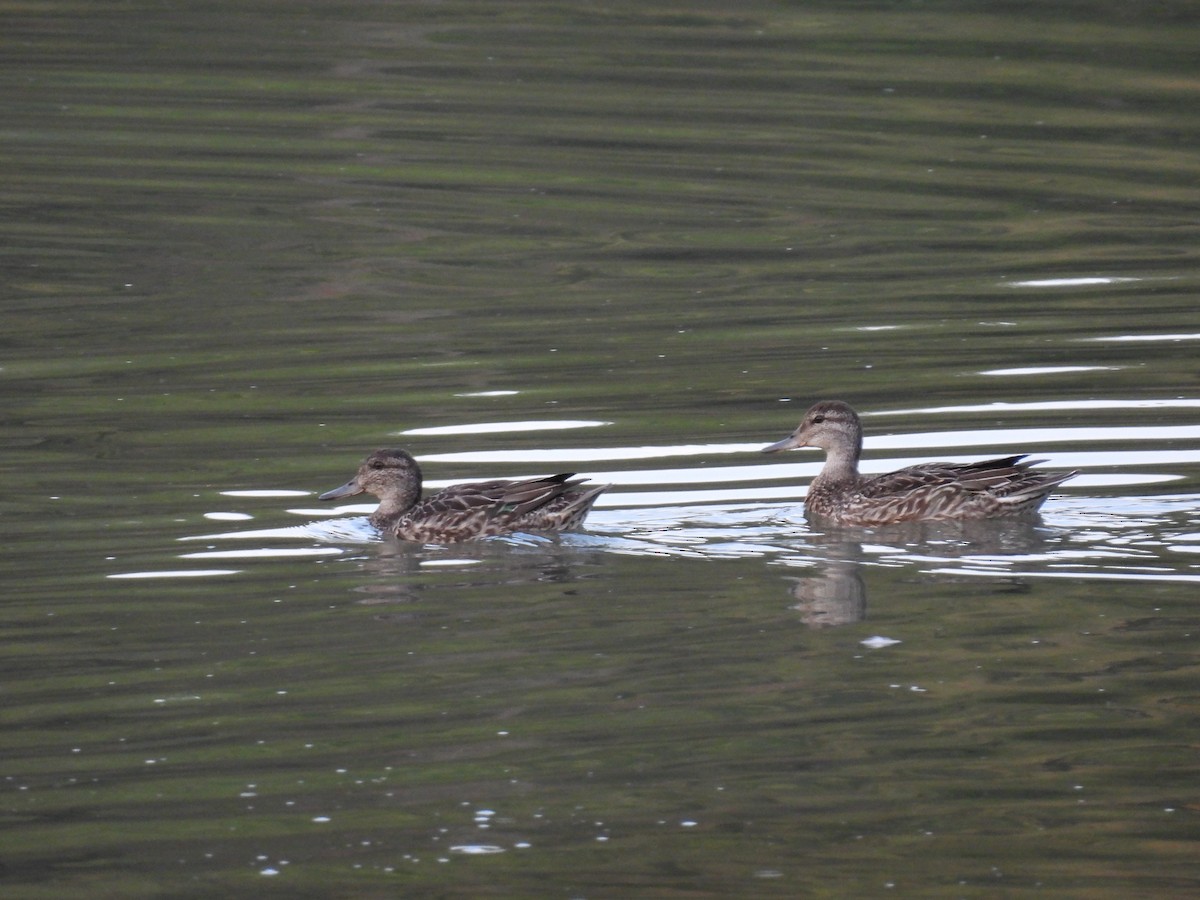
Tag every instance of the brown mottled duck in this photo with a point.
(462, 512)
(994, 488)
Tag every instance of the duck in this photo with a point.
(464, 512)
(935, 491)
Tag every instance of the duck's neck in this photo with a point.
(841, 466)
(393, 506)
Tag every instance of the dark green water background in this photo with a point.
(243, 243)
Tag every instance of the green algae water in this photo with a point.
(245, 244)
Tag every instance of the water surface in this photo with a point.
(244, 246)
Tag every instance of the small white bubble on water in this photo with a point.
(878, 642)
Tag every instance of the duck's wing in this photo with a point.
(563, 512)
(520, 498)
(993, 487)
(987, 475)
(510, 499)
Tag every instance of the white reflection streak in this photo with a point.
(269, 552)
(500, 427)
(682, 498)
(588, 454)
(779, 471)
(177, 573)
(1072, 282)
(1075, 574)
(1044, 405)
(1049, 370)
(1009, 440)
(265, 493)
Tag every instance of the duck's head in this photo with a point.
(391, 475)
(830, 425)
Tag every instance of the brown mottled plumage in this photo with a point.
(465, 511)
(990, 489)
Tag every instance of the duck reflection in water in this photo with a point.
(834, 591)
(992, 489)
(834, 595)
(465, 511)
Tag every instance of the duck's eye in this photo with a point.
(817, 420)
(377, 464)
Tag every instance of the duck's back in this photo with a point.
(487, 508)
(992, 488)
